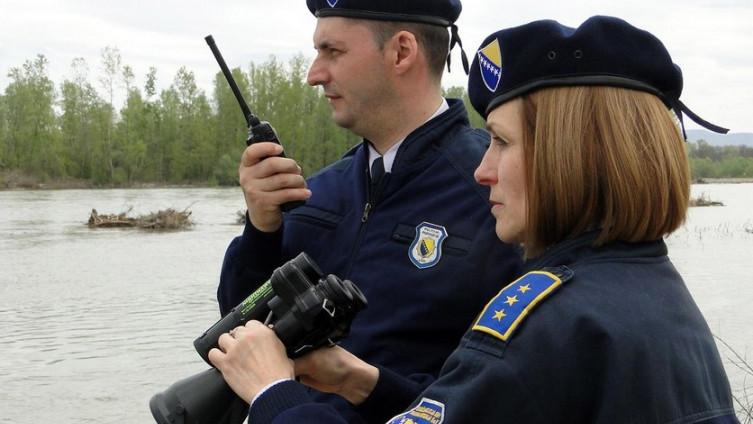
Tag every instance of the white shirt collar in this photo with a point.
(389, 156)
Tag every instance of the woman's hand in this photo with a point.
(251, 358)
(335, 370)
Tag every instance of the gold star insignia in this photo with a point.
(524, 288)
(511, 300)
(498, 315)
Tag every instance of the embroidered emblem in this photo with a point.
(490, 65)
(332, 3)
(511, 305)
(426, 249)
(427, 411)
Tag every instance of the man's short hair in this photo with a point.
(433, 40)
(604, 158)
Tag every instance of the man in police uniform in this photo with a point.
(399, 214)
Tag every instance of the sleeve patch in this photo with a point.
(428, 411)
(512, 304)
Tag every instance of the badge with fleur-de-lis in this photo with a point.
(426, 249)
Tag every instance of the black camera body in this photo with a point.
(306, 311)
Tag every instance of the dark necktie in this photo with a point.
(377, 171)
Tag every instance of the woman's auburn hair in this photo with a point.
(603, 158)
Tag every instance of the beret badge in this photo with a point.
(490, 65)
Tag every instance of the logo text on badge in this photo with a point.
(426, 249)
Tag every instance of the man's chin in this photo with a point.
(342, 121)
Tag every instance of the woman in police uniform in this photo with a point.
(587, 171)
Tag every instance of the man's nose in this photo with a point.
(317, 74)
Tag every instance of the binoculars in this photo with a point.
(307, 311)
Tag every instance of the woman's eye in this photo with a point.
(499, 141)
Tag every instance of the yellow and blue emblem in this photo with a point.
(504, 313)
(427, 411)
(426, 249)
(490, 65)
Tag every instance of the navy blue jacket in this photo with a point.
(618, 340)
(416, 313)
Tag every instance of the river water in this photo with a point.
(94, 322)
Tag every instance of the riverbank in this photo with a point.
(17, 180)
(723, 181)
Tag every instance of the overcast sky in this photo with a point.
(712, 40)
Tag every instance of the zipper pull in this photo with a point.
(366, 210)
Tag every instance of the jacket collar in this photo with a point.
(417, 144)
(433, 132)
(581, 249)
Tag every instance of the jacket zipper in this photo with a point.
(366, 210)
(371, 200)
(371, 197)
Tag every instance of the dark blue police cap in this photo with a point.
(602, 51)
(435, 12)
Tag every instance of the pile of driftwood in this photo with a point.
(168, 219)
(703, 200)
(240, 217)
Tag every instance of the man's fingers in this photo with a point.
(257, 152)
(279, 197)
(254, 324)
(280, 182)
(225, 341)
(276, 165)
(216, 356)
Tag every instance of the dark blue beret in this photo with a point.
(602, 51)
(437, 12)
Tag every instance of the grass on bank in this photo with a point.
(742, 397)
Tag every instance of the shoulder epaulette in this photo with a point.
(504, 313)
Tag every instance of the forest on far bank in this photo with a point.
(73, 131)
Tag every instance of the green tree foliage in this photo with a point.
(457, 92)
(31, 138)
(112, 66)
(84, 122)
(707, 161)
(130, 139)
(3, 130)
(179, 135)
(230, 127)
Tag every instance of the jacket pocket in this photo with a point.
(452, 245)
(315, 216)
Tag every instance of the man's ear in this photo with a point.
(404, 51)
